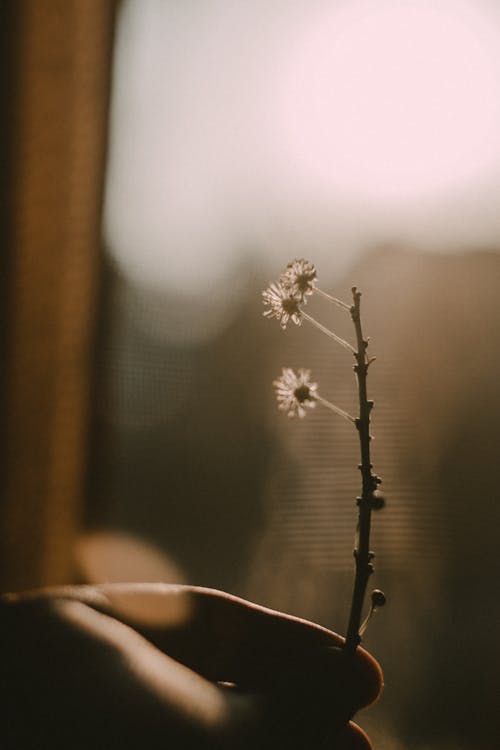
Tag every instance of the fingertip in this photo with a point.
(359, 676)
(371, 679)
(352, 737)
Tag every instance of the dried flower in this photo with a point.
(294, 392)
(283, 304)
(300, 277)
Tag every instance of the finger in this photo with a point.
(228, 639)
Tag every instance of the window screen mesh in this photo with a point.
(195, 459)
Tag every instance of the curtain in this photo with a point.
(56, 76)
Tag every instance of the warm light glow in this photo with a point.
(112, 556)
(275, 129)
(393, 100)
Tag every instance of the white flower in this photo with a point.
(283, 304)
(295, 393)
(299, 277)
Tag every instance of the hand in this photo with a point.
(162, 666)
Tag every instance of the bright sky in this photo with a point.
(289, 127)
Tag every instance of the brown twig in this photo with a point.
(362, 555)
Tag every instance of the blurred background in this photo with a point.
(162, 161)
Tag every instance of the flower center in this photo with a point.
(304, 281)
(302, 393)
(290, 305)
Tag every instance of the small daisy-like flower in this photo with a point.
(283, 304)
(295, 393)
(299, 276)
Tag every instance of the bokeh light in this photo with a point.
(269, 129)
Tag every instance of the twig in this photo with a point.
(362, 555)
(329, 333)
(329, 297)
(334, 408)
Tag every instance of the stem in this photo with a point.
(334, 408)
(329, 297)
(329, 333)
(362, 554)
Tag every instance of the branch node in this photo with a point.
(377, 501)
(378, 598)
